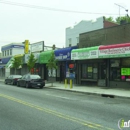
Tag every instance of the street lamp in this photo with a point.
(123, 8)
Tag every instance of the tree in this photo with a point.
(52, 64)
(16, 63)
(125, 19)
(110, 19)
(31, 62)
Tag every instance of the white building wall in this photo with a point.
(9, 50)
(72, 33)
(17, 51)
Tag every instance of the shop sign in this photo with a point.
(12, 46)
(63, 57)
(125, 71)
(91, 54)
(70, 75)
(18, 46)
(90, 69)
(37, 47)
(67, 74)
(114, 52)
(115, 64)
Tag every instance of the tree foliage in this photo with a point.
(125, 18)
(110, 19)
(31, 61)
(16, 63)
(119, 19)
(52, 62)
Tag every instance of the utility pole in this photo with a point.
(123, 8)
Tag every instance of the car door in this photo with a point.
(24, 80)
(21, 81)
(9, 79)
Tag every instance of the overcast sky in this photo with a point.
(18, 23)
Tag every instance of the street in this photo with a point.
(50, 109)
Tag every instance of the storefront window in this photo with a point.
(115, 70)
(84, 71)
(125, 69)
(95, 71)
(89, 71)
(120, 69)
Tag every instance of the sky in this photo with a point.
(46, 20)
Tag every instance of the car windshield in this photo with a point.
(17, 76)
(35, 77)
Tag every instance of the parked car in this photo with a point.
(31, 80)
(12, 79)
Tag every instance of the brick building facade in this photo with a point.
(111, 35)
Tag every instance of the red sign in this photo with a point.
(71, 66)
(114, 46)
(115, 50)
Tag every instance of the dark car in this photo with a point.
(31, 80)
(12, 79)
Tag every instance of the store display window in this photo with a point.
(89, 71)
(115, 71)
(125, 69)
(120, 69)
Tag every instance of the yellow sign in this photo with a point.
(90, 69)
(26, 46)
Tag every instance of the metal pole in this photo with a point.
(123, 8)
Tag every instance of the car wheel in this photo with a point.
(5, 82)
(27, 85)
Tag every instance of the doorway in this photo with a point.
(102, 80)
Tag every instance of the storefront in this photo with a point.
(118, 56)
(43, 70)
(90, 70)
(4, 71)
(107, 65)
(9, 68)
(64, 58)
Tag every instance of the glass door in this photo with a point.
(102, 81)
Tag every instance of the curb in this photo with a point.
(88, 93)
(91, 93)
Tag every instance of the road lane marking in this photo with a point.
(60, 97)
(58, 114)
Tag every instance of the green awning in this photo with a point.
(85, 53)
(9, 64)
(45, 56)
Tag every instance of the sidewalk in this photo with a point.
(91, 90)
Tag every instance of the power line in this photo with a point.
(48, 8)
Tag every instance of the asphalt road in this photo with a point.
(50, 109)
